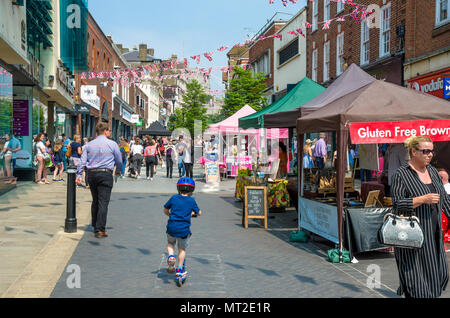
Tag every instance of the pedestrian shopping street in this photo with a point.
(224, 259)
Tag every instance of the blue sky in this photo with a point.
(187, 27)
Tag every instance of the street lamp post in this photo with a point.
(173, 103)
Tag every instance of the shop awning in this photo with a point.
(302, 93)
(351, 80)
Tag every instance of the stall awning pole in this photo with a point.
(342, 136)
(300, 173)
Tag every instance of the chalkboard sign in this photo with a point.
(255, 205)
(212, 172)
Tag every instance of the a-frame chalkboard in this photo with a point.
(255, 205)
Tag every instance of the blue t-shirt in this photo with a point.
(13, 144)
(65, 144)
(180, 208)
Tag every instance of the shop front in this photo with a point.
(431, 83)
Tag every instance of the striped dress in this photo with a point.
(423, 272)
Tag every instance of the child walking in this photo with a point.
(59, 159)
(180, 208)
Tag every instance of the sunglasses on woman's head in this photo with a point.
(426, 151)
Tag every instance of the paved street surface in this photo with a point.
(224, 259)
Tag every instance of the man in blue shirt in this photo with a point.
(99, 157)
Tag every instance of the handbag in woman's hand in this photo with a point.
(401, 231)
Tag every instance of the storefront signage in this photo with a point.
(255, 205)
(21, 115)
(89, 95)
(65, 81)
(126, 115)
(139, 123)
(433, 84)
(61, 119)
(82, 109)
(447, 87)
(319, 218)
(134, 119)
(399, 131)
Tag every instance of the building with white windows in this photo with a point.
(290, 55)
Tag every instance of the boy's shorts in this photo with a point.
(181, 242)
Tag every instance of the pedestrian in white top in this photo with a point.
(41, 177)
(137, 150)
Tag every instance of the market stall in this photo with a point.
(362, 114)
(156, 129)
(239, 148)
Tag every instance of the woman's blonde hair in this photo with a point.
(58, 146)
(123, 144)
(413, 142)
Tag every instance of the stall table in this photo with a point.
(277, 193)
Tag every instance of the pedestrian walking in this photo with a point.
(99, 158)
(150, 156)
(180, 154)
(417, 189)
(137, 150)
(58, 156)
(124, 150)
(10, 148)
(41, 156)
(75, 157)
(66, 143)
(180, 208)
(170, 157)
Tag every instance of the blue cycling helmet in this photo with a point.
(186, 184)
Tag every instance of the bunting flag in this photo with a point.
(326, 26)
(299, 31)
(222, 48)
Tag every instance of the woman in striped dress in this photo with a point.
(417, 188)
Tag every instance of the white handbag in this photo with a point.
(401, 231)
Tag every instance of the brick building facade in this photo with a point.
(378, 50)
(261, 55)
(115, 103)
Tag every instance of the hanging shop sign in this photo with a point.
(89, 95)
(127, 115)
(139, 123)
(134, 119)
(398, 131)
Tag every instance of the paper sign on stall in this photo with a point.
(212, 172)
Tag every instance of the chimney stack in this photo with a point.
(142, 52)
(151, 52)
(120, 47)
(110, 38)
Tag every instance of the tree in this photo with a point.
(193, 108)
(245, 89)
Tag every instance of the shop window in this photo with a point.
(6, 98)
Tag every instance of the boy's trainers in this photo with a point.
(181, 272)
(171, 262)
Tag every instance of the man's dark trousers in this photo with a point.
(169, 165)
(189, 168)
(100, 184)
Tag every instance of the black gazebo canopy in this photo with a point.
(155, 129)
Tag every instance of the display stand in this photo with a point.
(255, 205)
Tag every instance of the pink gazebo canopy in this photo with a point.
(231, 125)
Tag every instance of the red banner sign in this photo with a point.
(398, 131)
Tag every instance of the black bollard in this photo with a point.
(71, 217)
